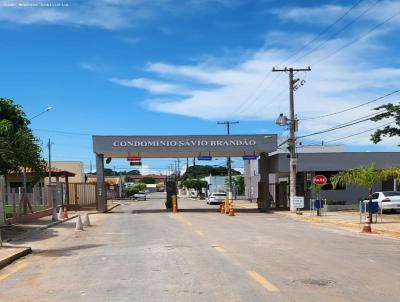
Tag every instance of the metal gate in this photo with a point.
(78, 195)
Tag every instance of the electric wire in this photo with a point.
(336, 33)
(344, 125)
(371, 30)
(351, 108)
(326, 29)
(358, 133)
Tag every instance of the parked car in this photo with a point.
(216, 198)
(388, 200)
(140, 196)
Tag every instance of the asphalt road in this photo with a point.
(142, 253)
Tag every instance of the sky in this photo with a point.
(164, 67)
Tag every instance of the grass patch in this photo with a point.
(9, 210)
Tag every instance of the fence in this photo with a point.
(78, 195)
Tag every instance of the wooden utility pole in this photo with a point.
(229, 165)
(292, 130)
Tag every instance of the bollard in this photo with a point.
(86, 220)
(174, 204)
(227, 204)
(60, 215)
(79, 225)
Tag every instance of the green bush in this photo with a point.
(335, 202)
(134, 189)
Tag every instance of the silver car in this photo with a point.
(388, 200)
(216, 198)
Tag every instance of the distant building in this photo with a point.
(75, 167)
(273, 170)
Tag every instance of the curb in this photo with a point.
(6, 261)
(113, 207)
(57, 222)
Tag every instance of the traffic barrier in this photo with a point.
(227, 204)
(367, 226)
(231, 211)
(79, 225)
(60, 215)
(65, 213)
(174, 204)
(86, 220)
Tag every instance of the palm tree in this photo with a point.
(364, 177)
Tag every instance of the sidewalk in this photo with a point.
(24, 233)
(389, 227)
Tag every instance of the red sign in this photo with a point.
(319, 180)
(134, 158)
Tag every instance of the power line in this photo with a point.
(351, 108)
(62, 132)
(358, 39)
(326, 29)
(337, 33)
(348, 124)
(358, 133)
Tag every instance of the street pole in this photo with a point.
(49, 147)
(292, 132)
(228, 123)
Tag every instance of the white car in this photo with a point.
(388, 200)
(140, 196)
(216, 198)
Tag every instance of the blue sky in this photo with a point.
(177, 67)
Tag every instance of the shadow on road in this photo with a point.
(205, 211)
(65, 251)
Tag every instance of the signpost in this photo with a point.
(320, 181)
(134, 158)
(249, 157)
(204, 158)
(298, 202)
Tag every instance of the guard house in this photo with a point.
(316, 161)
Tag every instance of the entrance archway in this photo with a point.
(183, 146)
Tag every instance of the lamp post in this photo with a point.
(43, 112)
(284, 121)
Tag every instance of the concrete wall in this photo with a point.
(75, 167)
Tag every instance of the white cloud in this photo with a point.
(152, 86)
(249, 91)
(107, 14)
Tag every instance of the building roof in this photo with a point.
(55, 172)
(336, 161)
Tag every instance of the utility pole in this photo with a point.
(179, 169)
(228, 124)
(49, 147)
(292, 130)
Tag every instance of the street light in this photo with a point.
(44, 111)
(282, 120)
(292, 123)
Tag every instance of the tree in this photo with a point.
(134, 189)
(148, 180)
(392, 111)
(197, 184)
(201, 171)
(108, 172)
(364, 177)
(239, 184)
(19, 148)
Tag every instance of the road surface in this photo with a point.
(139, 252)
